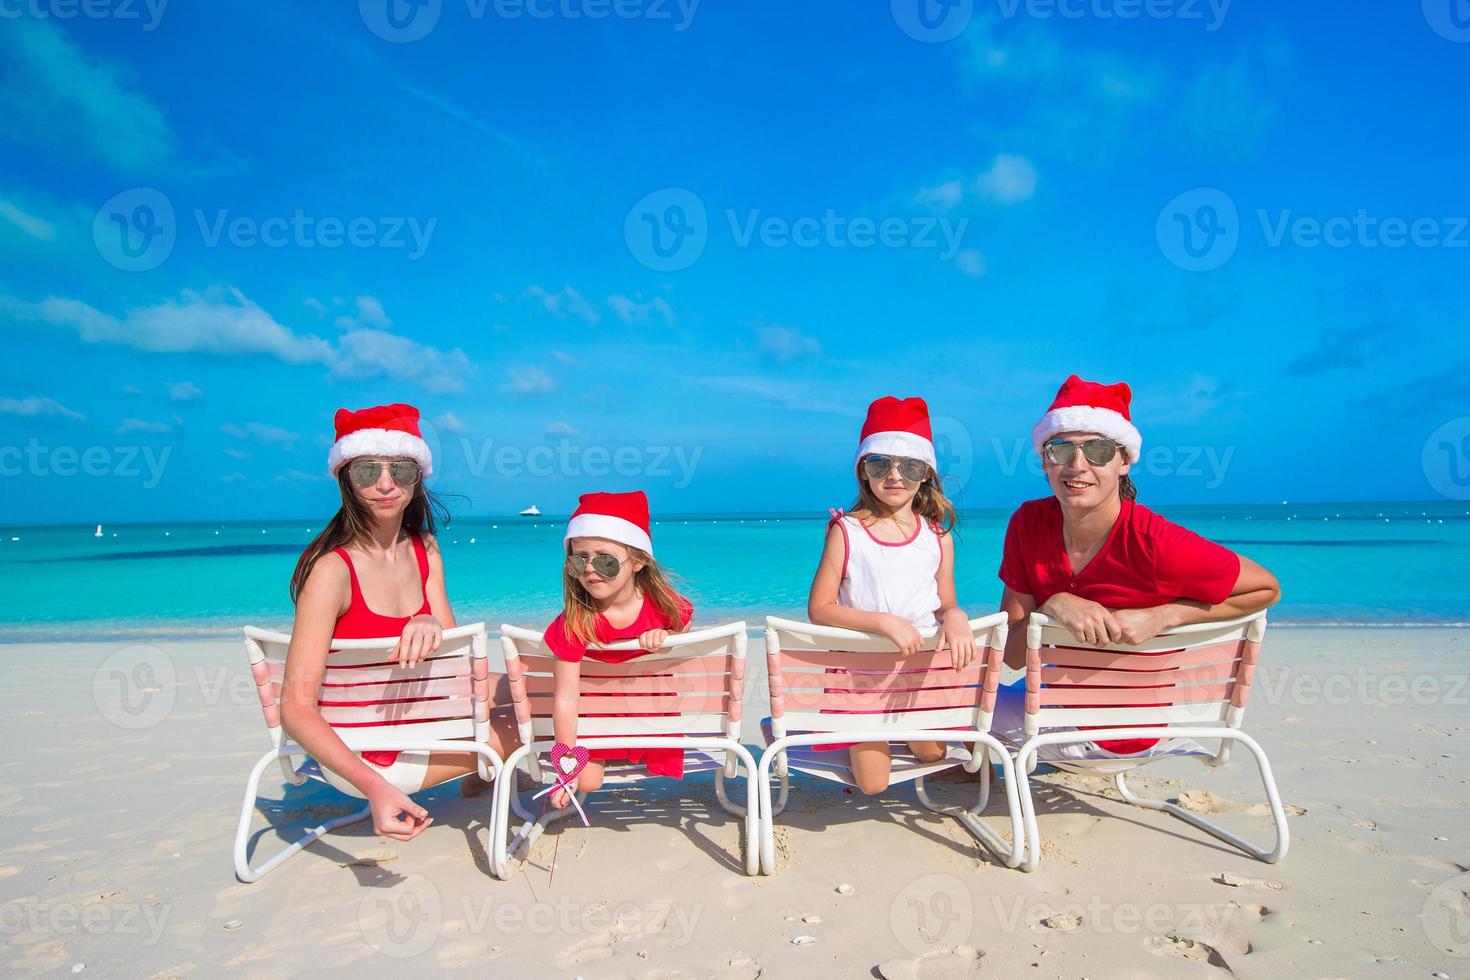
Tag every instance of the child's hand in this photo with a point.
(560, 798)
(395, 815)
(651, 640)
(421, 637)
(955, 636)
(902, 633)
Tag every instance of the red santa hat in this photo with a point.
(620, 517)
(385, 430)
(898, 427)
(1086, 406)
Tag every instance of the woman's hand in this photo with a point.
(395, 815)
(955, 635)
(1088, 621)
(651, 640)
(420, 639)
(1138, 625)
(902, 633)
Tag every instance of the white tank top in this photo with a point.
(891, 578)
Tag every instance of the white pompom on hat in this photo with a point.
(384, 430)
(1086, 406)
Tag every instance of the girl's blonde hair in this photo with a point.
(580, 612)
(930, 503)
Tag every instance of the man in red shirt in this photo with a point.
(1099, 563)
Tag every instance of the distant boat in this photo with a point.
(97, 533)
(531, 511)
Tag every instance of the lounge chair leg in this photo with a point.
(1022, 763)
(970, 820)
(243, 870)
(1273, 798)
(532, 830)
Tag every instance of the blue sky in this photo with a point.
(221, 222)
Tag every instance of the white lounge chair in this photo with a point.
(1189, 682)
(686, 696)
(826, 681)
(441, 704)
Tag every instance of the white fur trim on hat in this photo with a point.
(898, 443)
(1089, 418)
(612, 528)
(379, 442)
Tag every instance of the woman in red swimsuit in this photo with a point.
(375, 571)
(1102, 565)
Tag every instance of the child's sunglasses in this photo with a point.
(877, 466)
(365, 472)
(605, 565)
(1060, 452)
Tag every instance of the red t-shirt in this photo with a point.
(660, 762)
(1146, 561)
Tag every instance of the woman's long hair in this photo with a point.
(353, 523)
(1126, 488)
(580, 610)
(930, 503)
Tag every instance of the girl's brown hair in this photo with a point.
(580, 611)
(930, 503)
(353, 523)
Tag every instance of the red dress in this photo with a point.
(1146, 561)
(361, 623)
(659, 762)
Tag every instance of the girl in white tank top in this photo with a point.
(888, 567)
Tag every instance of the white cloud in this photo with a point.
(523, 380)
(370, 313)
(449, 422)
(131, 390)
(635, 313)
(236, 453)
(971, 263)
(943, 196)
(562, 430)
(567, 302)
(562, 357)
(315, 305)
(142, 425)
(38, 228)
(35, 407)
(223, 321)
(183, 391)
(785, 344)
(260, 432)
(1010, 180)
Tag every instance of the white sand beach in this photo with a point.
(119, 813)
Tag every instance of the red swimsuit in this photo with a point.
(361, 623)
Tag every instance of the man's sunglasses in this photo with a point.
(1060, 452)
(365, 472)
(605, 565)
(877, 466)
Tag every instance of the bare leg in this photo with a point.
(444, 766)
(871, 766)
(927, 751)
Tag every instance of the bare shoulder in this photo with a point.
(329, 576)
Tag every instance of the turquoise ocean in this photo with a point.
(1398, 563)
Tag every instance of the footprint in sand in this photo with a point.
(962, 961)
(1189, 949)
(1244, 881)
(1063, 922)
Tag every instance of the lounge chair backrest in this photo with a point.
(825, 679)
(1191, 675)
(694, 686)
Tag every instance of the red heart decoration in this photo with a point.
(568, 761)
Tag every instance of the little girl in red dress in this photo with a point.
(612, 590)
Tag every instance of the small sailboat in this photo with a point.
(97, 533)
(531, 511)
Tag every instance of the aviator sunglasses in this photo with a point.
(1060, 452)
(605, 565)
(877, 466)
(365, 472)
